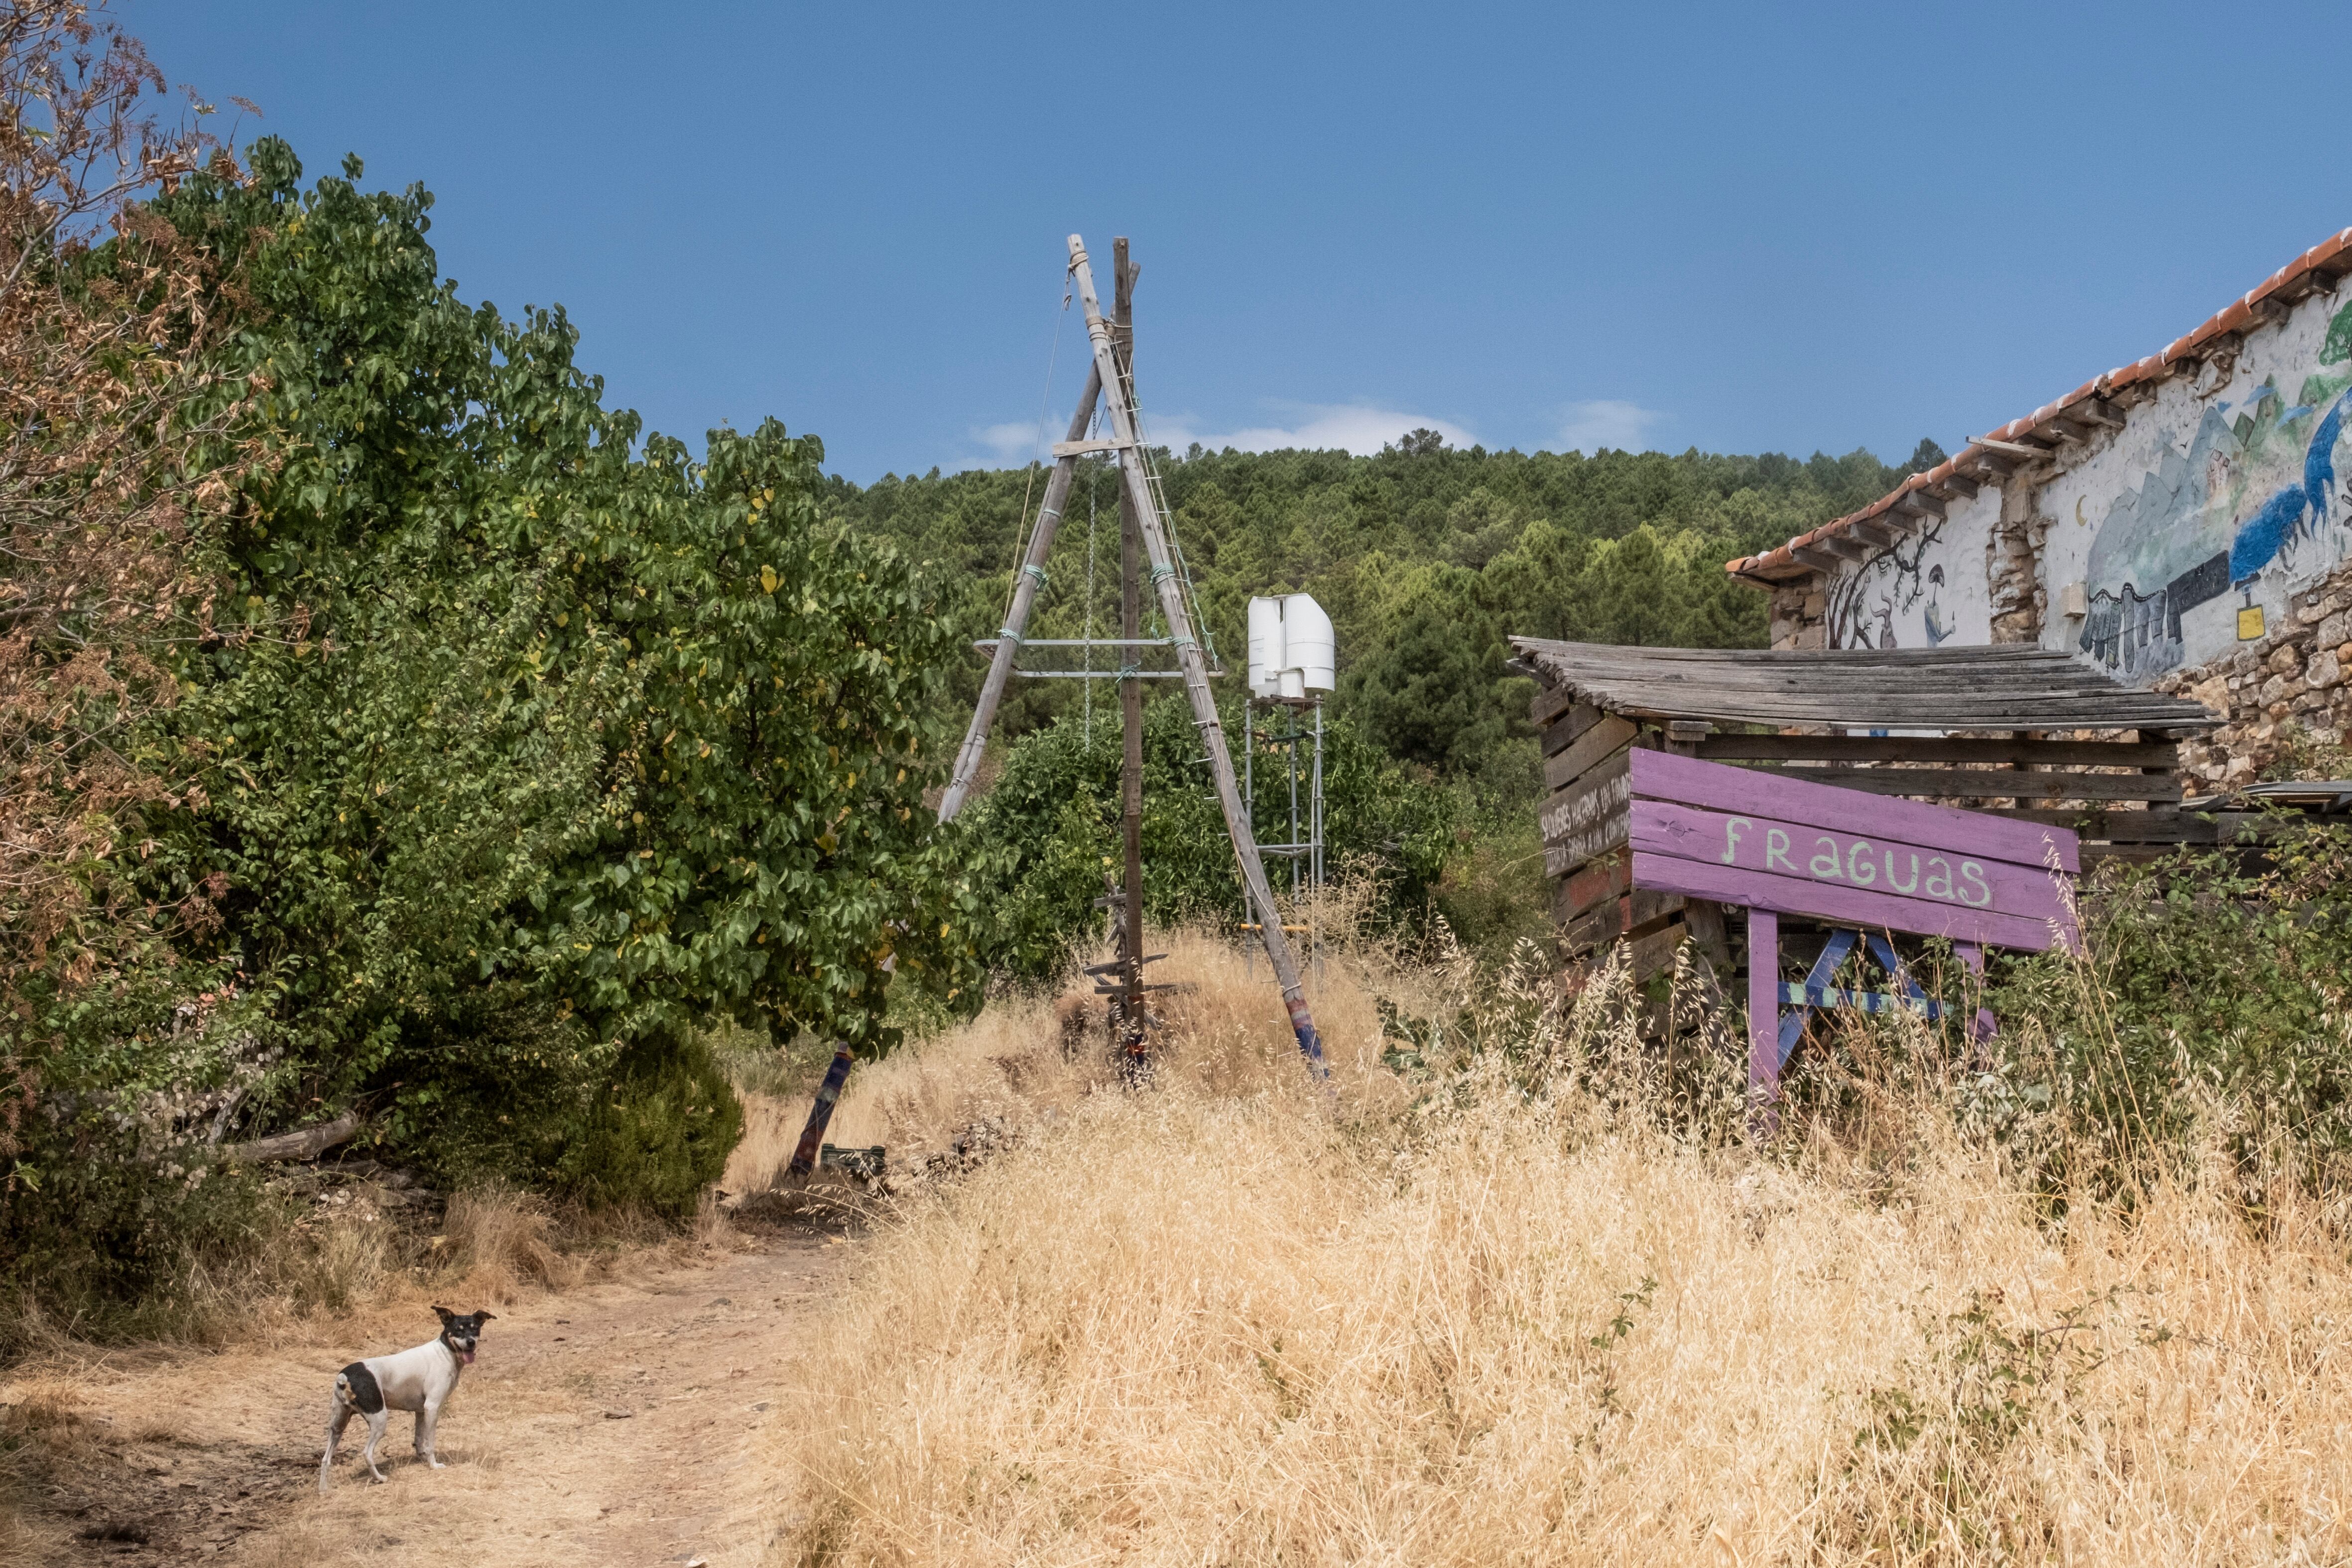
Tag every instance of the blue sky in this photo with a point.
(1734, 227)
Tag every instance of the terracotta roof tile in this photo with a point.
(2330, 255)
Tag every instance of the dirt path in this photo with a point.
(607, 1425)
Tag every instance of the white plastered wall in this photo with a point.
(2181, 536)
(1925, 589)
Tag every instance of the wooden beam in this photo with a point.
(1549, 703)
(2096, 411)
(1937, 748)
(1611, 735)
(1025, 584)
(2272, 310)
(1993, 784)
(2014, 449)
(1999, 467)
(1129, 1014)
(1819, 559)
(306, 1144)
(1913, 501)
(1961, 484)
(1763, 1022)
(1872, 532)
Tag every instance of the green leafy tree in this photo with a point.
(518, 749)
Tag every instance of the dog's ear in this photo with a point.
(484, 1317)
(445, 1313)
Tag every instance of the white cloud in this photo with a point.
(1359, 428)
(1606, 421)
(1012, 444)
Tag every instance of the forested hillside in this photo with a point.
(1425, 556)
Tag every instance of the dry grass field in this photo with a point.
(1500, 1314)
(1242, 1318)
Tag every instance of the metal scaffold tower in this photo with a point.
(1149, 545)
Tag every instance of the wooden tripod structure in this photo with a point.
(1145, 534)
(1110, 381)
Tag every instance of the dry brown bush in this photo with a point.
(113, 447)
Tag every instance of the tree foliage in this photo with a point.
(1040, 840)
(514, 749)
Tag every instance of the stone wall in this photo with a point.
(2012, 554)
(2295, 677)
(1800, 615)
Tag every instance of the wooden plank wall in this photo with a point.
(2122, 796)
(1585, 817)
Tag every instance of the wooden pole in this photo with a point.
(1131, 691)
(820, 1114)
(1763, 1021)
(1026, 584)
(1171, 589)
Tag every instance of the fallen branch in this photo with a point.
(306, 1144)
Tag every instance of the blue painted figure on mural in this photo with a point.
(2297, 512)
(2212, 518)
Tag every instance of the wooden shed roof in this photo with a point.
(2005, 687)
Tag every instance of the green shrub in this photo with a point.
(106, 1244)
(2212, 1011)
(660, 1132)
(2217, 998)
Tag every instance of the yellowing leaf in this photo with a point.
(767, 580)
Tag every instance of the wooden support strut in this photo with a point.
(1026, 584)
(1132, 1014)
(1172, 609)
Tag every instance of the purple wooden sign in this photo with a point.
(1784, 846)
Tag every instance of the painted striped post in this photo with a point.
(820, 1113)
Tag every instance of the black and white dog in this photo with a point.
(421, 1380)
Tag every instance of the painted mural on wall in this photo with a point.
(1920, 591)
(2201, 550)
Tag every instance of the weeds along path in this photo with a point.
(608, 1424)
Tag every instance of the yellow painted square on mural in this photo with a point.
(2250, 622)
